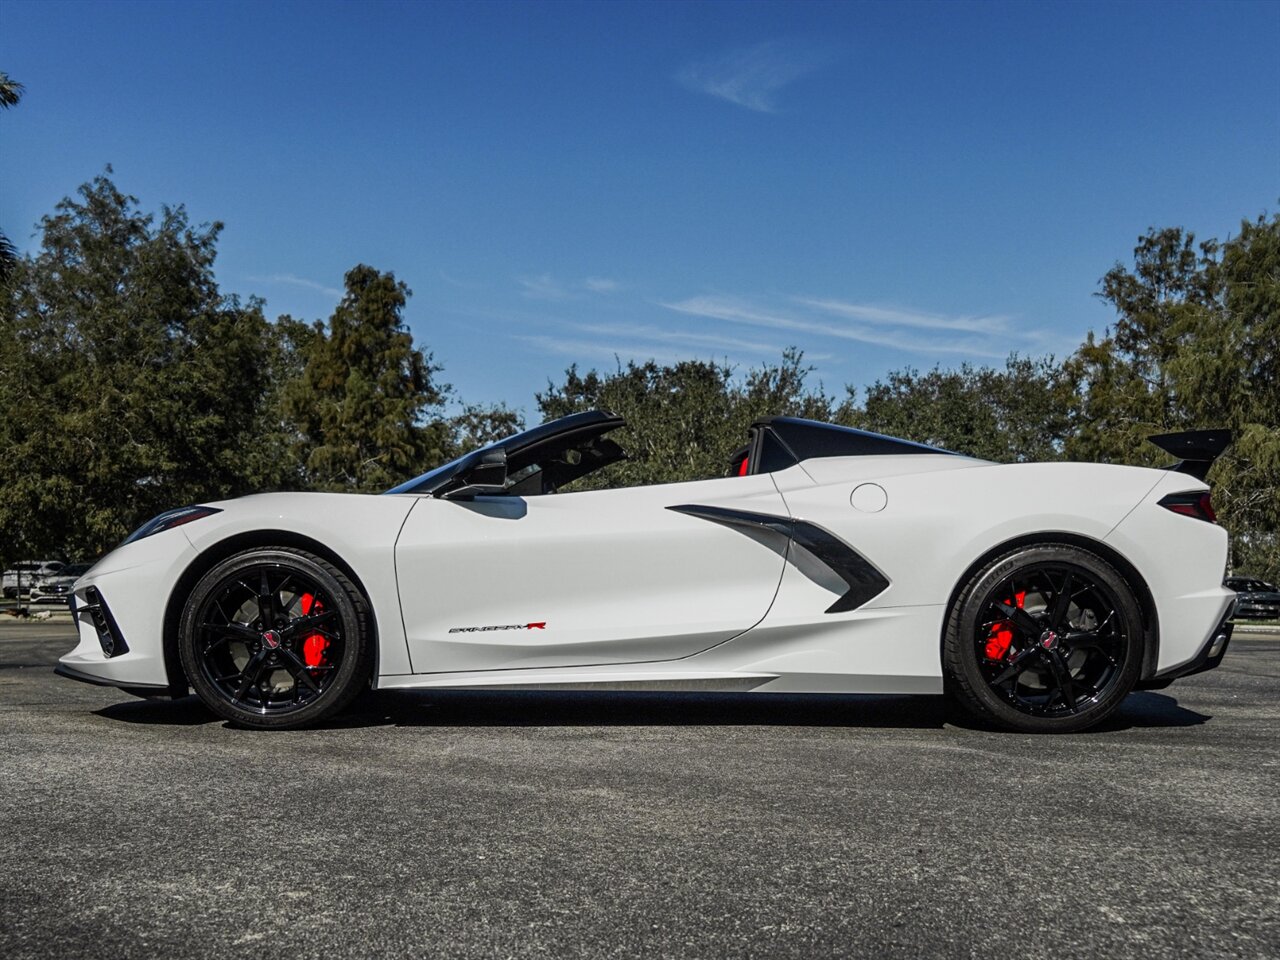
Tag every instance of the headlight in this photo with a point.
(170, 519)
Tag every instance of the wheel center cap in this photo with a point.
(271, 639)
(1048, 640)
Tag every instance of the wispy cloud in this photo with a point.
(543, 287)
(634, 341)
(288, 279)
(588, 349)
(753, 77)
(456, 282)
(546, 287)
(899, 317)
(880, 332)
(720, 343)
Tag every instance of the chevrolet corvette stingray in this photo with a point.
(826, 560)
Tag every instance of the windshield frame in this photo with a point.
(440, 480)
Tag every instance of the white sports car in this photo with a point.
(829, 560)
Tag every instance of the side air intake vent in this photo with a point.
(109, 635)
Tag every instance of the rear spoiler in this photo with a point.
(1196, 449)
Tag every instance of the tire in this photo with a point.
(307, 663)
(1047, 638)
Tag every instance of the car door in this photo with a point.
(575, 579)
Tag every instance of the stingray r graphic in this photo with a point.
(502, 626)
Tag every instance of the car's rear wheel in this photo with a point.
(1044, 639)
(275, 638)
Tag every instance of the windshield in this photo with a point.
(446, 470)
(523, 449)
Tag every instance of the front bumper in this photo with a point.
(1257, 611)
(51, 594)
(119, 609)
(142, 689)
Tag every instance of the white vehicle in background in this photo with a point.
(56, 587)
(827, 560)
(27, 573)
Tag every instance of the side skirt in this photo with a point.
(667, 681)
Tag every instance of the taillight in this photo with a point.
(1196, 505)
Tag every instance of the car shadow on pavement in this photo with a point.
(1145, 708)
(1139, 710)
(471, 708)
(185, 712)
(466, 708)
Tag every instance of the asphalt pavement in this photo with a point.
(544, 825)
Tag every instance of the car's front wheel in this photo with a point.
(1045, 639)
(275, 638)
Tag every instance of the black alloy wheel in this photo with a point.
(1047, 638)
(275, 638)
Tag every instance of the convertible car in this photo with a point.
(827, 560)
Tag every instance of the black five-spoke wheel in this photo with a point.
(1046, 638)
(275, 638)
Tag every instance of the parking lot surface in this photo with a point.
(478, 824)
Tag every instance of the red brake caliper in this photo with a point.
(314, 647)
(1001, 635)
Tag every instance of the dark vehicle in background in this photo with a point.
(1257, 599)
(57, 587)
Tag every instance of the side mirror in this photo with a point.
(488, 475)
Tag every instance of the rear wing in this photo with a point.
(1195, 449)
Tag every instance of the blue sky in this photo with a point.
(881, 185)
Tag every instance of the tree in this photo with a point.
(1123, 391)
(1010, 415)
(361, 401)
(10, 91)
(683, 420)
(10, 94)
(1195, 344)
(478, 425)
(130, 384)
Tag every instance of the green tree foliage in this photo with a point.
(10, 94)
(129, 383)
(1195, 345)
(8, 258)
(360, 403)
(479, 425)
(683, 420)
(1009, 416)
(10, 91)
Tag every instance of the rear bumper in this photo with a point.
(1182, 560)
(1207, 657)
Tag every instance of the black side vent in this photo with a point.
(109, 635)
(863, 580)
